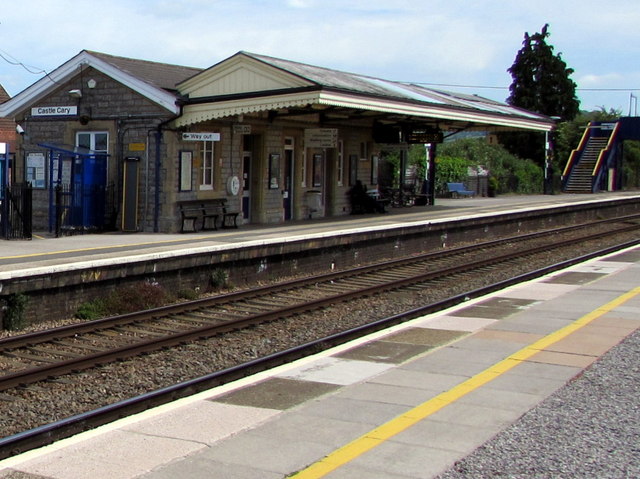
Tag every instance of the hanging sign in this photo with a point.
(424, 135)
(201, 137)
(54, 110)
(242, 129)
(321, 137)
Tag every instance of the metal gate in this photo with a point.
(17, 212)
(79, 198)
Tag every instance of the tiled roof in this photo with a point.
(160, 75)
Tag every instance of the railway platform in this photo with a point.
(405, 403)
(46, 254)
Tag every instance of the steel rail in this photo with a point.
(31, 375)
(47, 434)
(71, 330)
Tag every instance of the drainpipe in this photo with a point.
(156, 212)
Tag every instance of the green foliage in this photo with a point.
(219, 279)
(188, 294)
(631, 164)
(451, 169)
(13, 318)
(512, 174)
(137, 297)
(541, 80)
(91, 310)
(541, 83)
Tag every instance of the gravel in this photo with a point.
(589, 429)
(42, 403)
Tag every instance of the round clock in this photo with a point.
(233, 185)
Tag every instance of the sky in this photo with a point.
(457, 45)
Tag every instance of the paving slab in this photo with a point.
(455, 323)
(369, 412)
(302, 427)
(114, 455)
(393, 459)
(539, 291)
(337, 371)
(271, 454)
(406, 396)
(205, 422)
(441, 435)
(276, 393)
(384, 352)
(202, 468)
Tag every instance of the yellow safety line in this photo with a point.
(382, 433)
(97, 248)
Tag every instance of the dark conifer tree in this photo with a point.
(541, 83)
(541, 80)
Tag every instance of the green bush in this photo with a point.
(91, 310)
(450, 169)
(13, 318)
(513, 174)
(137, 297)
(219, 279)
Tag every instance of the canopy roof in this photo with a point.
(249, 83)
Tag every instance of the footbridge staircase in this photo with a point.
(596, 165)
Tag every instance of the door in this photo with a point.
(246, 185)
(90, 180)
(287, 192)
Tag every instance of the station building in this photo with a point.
(118, 143)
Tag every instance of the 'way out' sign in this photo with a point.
(201, 137)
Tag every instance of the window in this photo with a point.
(340, 169)
(208, 171)
(97, 141)
(303, 170)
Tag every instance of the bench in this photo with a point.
(208, 211)
(457, 189)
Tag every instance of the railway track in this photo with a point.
(427, 272)
(46, 355)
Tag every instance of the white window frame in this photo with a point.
(207, 165)
(92, 142)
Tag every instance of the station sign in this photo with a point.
(424, 135)
(201, 137)
(321, 137)
(54, 110)
(241, 129)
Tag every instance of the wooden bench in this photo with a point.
(208, 211)
(457, 189)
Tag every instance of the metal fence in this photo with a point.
(16, 212)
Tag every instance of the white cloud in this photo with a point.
(437, 41)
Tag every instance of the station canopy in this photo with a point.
(248, 84)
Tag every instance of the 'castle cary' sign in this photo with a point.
(54, 110)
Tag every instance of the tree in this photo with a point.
(541, 84)
(541, 80)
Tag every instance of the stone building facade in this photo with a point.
(277, 140)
